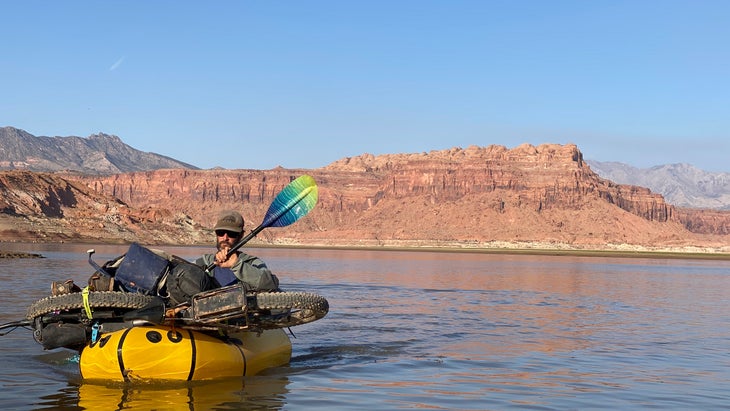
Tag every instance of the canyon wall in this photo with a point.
(474, 195)
(459, 197)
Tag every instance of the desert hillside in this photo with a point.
(544, 196)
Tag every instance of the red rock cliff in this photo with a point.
(477, 194)
(546, 176)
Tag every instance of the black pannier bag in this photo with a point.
(141, 270)
(148, 272)
(184, 280)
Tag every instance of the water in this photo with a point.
(456, 331)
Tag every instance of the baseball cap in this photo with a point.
(230, 220)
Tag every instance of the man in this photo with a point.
(240, 266)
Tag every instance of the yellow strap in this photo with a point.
(87, 307)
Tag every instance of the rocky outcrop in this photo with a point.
(15, 254)
(460, 197)
(48, 207)
(545, 177)
(474, 195)
(705, 221)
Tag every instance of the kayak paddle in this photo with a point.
(292, 203)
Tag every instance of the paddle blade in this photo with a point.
(292, 203)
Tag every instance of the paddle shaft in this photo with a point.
(238, 245)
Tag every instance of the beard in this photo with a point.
(226, 243)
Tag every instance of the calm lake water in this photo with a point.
(423, 330)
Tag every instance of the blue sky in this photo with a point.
(300, 84)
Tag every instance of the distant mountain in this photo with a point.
(96, 154)
(682, 185)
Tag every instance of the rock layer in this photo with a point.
(459, 197)
(472, 196)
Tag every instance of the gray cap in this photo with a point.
(231, 221)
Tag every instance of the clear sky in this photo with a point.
(300, 84)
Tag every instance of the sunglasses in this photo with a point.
(230, 234)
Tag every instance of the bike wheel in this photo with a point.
(305, 308)
(97, 299)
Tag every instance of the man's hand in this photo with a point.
(222, 261)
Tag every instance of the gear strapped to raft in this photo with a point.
(147, 287)
(152, 287)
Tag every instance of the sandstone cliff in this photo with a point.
(39, 207)
(473, 196)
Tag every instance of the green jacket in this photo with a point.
(249, 269)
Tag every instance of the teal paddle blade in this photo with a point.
(292, 203)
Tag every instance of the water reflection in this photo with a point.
(262, 392)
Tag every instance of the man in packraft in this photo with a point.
(239, 266)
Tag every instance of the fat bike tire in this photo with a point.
(97, 299)
(305, 308)
(301, 307)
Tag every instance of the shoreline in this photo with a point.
(511, 249)
(557, 252)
